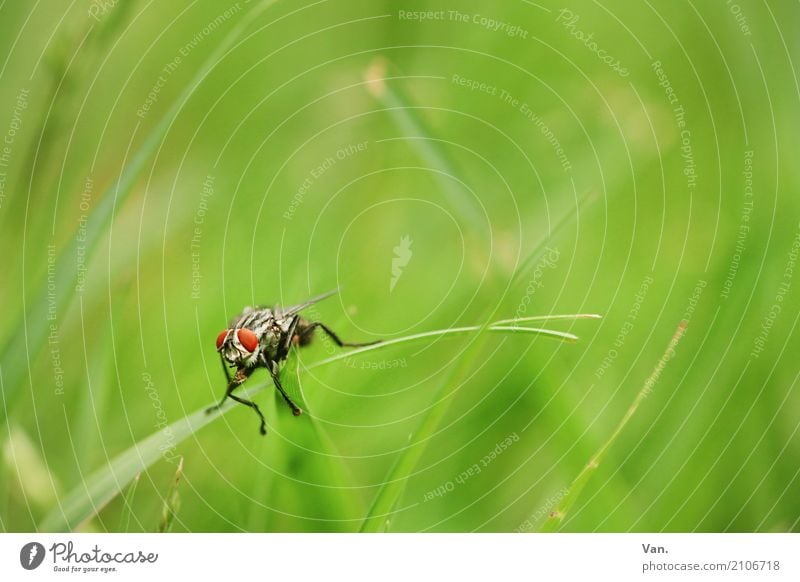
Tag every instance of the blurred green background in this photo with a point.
(166, 164)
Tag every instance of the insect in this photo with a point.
(261, 337)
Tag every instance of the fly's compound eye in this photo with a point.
(248, 339)
(221, 338)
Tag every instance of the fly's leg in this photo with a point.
(304, 336)
(296, 410)
(241, 375)
(232, 384)
(225, 368)
(263, 428)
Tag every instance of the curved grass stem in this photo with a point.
(557, 516)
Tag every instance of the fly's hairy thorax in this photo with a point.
(270, 327)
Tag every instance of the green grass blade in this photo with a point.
(172, 501)
(15, 354)
(127, 510)
(404, 114)
(565, 220)
(105, 484)
(557, 516)
(536, 330)
(377, 519)
(496, 326)
(516, 320)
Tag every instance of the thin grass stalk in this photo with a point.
(172, 501)
(127, 509)
(404, 114)
(557, 516)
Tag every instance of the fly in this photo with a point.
(261, 337)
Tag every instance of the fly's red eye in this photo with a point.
(248, 339)
(221, 338)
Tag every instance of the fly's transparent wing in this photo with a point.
(288, 311)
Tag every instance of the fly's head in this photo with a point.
(239, 347)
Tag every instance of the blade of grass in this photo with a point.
(570, 337)
(127, 510)
(548, 318)
(404, 114)
(557, 516)
(377, 519)
(172, 502)
(440, 332)
(564, 220)
(107, 482)
(15, 355)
